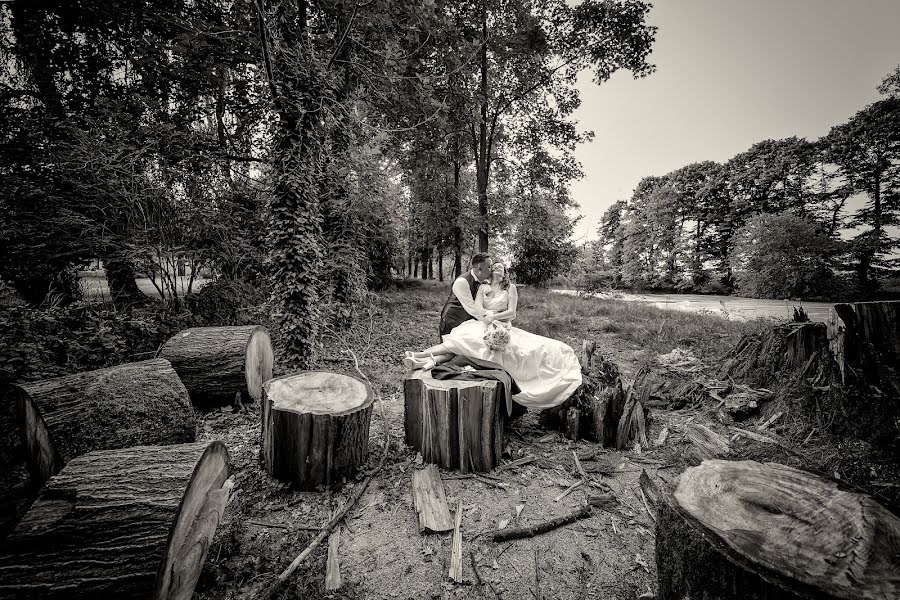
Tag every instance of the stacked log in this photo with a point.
(142, 403)
(315, 427)
(748, 530)
(456, 424)
(128, 523)
(215, 363)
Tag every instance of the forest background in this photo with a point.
(302, 155)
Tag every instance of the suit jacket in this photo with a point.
(453, 312)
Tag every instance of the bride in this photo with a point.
(547, 370)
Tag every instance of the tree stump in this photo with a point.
(747, 530)
(457, 424)
(142, 403)
(127, 523)
(315, 427)
(216, 362)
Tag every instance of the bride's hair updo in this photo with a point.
(504, 281)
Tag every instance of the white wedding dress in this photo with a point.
(547, 370)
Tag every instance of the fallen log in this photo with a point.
(216, 362)
(126, 523)
(315, 427)
(703, 444)
(748, 530)
(141, 403)
(456, 424)
(430, 502)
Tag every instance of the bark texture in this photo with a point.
(315, 428)
(141, 403)
(216, 362)
(751, 531)
(455, 424)
(128, 523)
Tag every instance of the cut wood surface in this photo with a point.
(315, 427)
(456, 568)
(456, 424)
(332, 563)
(430, 501)
(216, 362)
(141, 403)
(126, 523)
(749, 530)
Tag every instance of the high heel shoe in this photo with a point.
(430, 363)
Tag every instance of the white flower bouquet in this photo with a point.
(496, 335)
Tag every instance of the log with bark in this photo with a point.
(747, 530)
(457, 424)
(127, 523)
(141, 403)
(315, 427)
(216, 362)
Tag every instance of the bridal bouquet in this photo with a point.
(496, 335)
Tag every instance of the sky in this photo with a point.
(730, 73)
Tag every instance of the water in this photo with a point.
(729, 307)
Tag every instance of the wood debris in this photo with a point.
(456, 568)
(430, 501)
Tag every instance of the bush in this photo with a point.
(48, 342)
(230, 302)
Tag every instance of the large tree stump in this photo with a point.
(457, 424)
(315, 427)
(128, 523)
(142, 403)
(747, 530)
(216, 362)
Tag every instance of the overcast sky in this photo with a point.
(731, 73)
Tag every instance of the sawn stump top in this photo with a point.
(318, 393)
(796, 524)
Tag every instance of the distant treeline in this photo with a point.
(772, 222)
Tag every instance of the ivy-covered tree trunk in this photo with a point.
(295, 245)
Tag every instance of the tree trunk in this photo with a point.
(746, 530)
(140, 403)
(440, 263)
(483, 161)
(128, 523)
(123, 288)
(216, 362)
(315, 428)
(456, 424)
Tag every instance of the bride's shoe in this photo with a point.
(430, 363)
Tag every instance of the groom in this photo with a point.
(460, 306)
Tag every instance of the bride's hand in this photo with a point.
(488, 319)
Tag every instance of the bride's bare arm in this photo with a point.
(510, 313)
(479, 304)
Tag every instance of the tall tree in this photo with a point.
(867, 150)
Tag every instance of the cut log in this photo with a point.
(456, 424)
(703, 444)
(142, 403)
(216, 362)
(127, 523)
(430, 501)
(315, 427)
(748, 530)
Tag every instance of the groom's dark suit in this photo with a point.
(453, 312)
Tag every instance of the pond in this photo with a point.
(729, 307)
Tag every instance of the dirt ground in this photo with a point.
(382, 554)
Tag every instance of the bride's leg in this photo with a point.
(433, 351)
